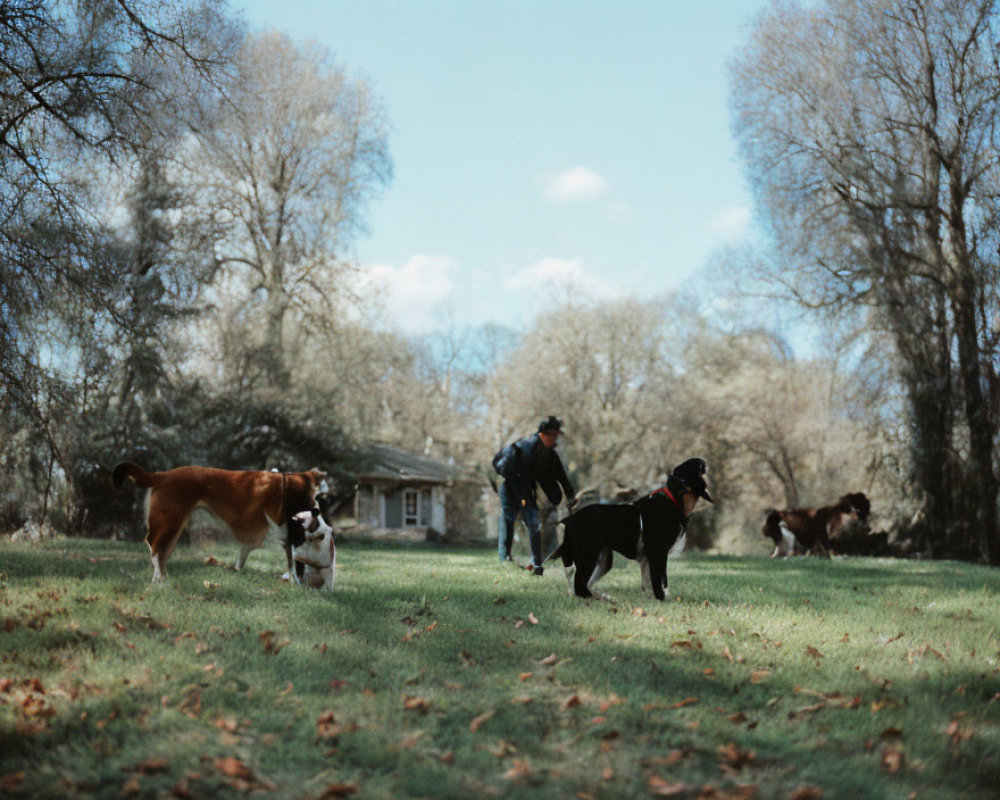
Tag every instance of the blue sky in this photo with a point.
(539, 145)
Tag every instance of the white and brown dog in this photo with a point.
(251, 503)
(317, 554)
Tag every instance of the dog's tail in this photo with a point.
(557, 553)
(126, 469)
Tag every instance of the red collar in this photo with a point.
(668, 493)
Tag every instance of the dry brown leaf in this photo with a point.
(759, 675)
(660, 788)
(150, 766)
(806, 793)
(478, 721)
(411, 703)
(687, 701)
(234, 768)
(12, 781)
(812, 652)
(524, 676)
(572, 702)
(893, 760)
(532, 618)
(549, 660)
(736, 757)
(519, 770)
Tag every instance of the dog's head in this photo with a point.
(691, 475)
(858, 503)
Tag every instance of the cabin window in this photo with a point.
(411, 508)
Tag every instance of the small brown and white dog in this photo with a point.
(317, 553)
(251, 503)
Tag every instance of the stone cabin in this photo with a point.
(405, 495)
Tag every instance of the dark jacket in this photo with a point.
(530, 462)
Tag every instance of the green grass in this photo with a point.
(425, 675)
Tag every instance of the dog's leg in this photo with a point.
(585, 565)
(602, 568)
(645, 584)
(570, 573)
(331, 572)
(658, 575)
(165, 527)
(241, 559)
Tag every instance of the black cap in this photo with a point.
(549, 425)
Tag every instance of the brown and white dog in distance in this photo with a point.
(251, 503)
(813, 529)
(317, 554)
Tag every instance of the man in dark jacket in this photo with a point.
(524, 464)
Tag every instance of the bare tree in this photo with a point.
(283, 170)
(870, 131)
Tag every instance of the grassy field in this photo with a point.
(438, 672)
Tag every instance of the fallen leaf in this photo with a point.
(226, 724)
(209, 585)
(271, 647)
(119, 627)
(233, 768)
(687, 701)
(549, 660)
(12, 781)
(524, 676)
(519, 770)
(892, 760)
(149, 767)
(411, 703)
(572, 702)
(660, 788)
(736, 757)
(479, 720)
(532, 618)
(759, 675)
(812, 652)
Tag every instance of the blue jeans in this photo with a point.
(512, 507)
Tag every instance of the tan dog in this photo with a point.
(251, 503)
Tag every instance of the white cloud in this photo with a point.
(412, 292)
(730, 224)
(575, 184)
(560, 273)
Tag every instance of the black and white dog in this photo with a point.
(316, 557)
(644, 530)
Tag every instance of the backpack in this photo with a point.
(504, 460)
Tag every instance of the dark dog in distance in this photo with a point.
(644, 531)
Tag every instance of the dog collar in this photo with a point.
(666, 490)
